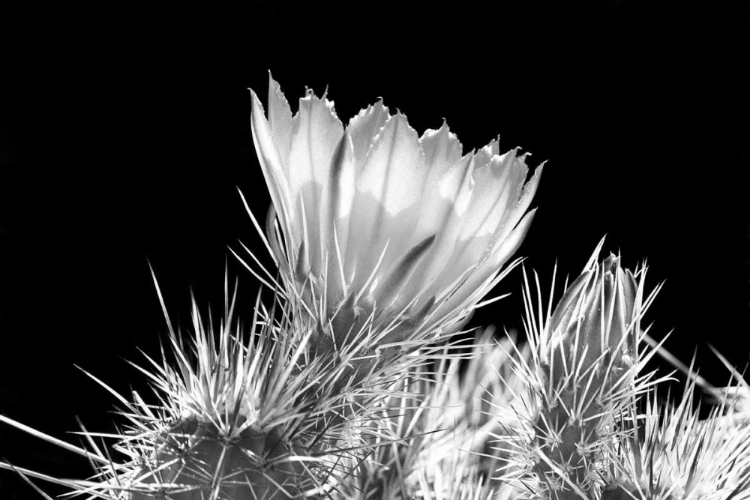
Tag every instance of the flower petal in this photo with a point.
(444, 173)
(338, 195)
(484, 155)
(316, 132)
(273, 170)
(441, 150)
(364, 127)
(447, 173)
(280, 120)
(495, 189)
(513, 214)
(400, 274)
(388, 188)
(476, 282)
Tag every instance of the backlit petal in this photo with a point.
(316, 132)
(388, 188)
(273, 169)
(364, 127)
(280, 120)
(492, 265)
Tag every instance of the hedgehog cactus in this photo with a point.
(238, 417)
(673, 454)
(345, 389)
(587, 373)
(203, 460)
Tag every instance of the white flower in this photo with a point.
(383, 230)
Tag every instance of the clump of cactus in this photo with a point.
(352, 379)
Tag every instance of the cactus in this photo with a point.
(357, 381)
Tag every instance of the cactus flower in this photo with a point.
(385, 231)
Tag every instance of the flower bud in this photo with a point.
(594, 325)
(587, 371)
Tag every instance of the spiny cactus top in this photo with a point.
(384, 230)
(595, 322)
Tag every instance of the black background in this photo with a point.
(124, 135)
